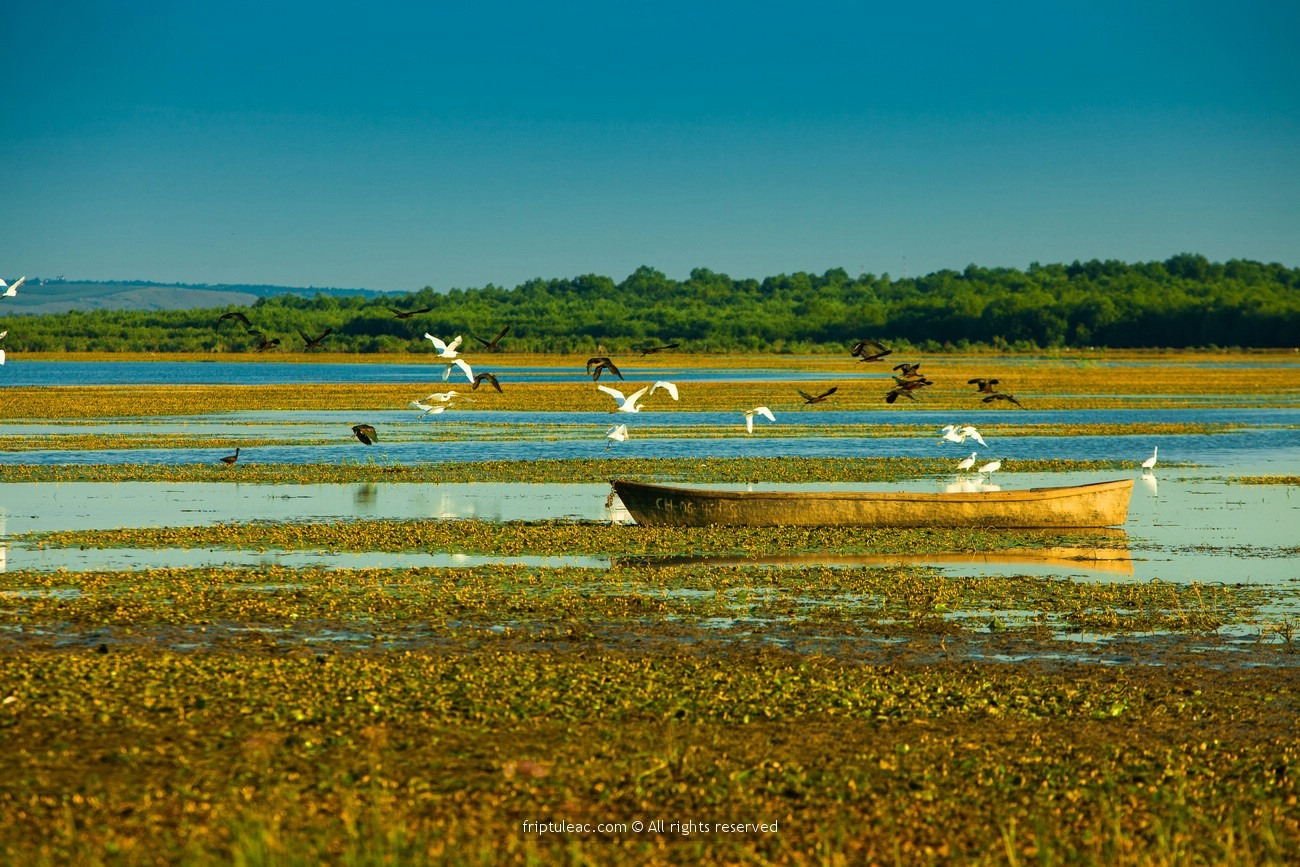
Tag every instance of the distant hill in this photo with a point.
(40, 296)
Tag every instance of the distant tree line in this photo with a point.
(1184, 301)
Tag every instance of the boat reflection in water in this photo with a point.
(1110, 555)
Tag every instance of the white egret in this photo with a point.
(445, 350)
(618, 433)
(951, 434)
(628, 403)
(1150, 462)
(666, 386)
(458, 362)
(2, 356)
(758, 410)
(990, 468)
(966, 463)
(3, 334)
(428, 408)
(442, 397)
(11, 291)
(968, 431)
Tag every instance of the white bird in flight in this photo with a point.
(445, 350)
(415, 404)
(666, 386)
(618, 433)
(966, 463)
(11, 291)
(990, 468)
(1151, 461)
(628, 403)
(968, 431)
(458, 362)
(950, 434)
(442, 396)
(759, 410)
(2, 356)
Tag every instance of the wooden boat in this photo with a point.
(1101, 504)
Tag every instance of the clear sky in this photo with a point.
(398, 145)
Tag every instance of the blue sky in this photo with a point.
(394, 146)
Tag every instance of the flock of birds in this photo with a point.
(907, 382)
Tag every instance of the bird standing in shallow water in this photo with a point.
(228, 460)
(1150, 462)
(365, 433)
(966, 463)
(990, 468)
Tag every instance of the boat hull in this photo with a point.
(1101, 504)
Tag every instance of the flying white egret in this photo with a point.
(966, 463)
(968, 431)
(445, 350)
(2, 356)
(428, 408)
(618, 433)
(3, 334)
(11, 291)
(458, 362)
(666, 386)
(990, 468)
(1151, 461)
(951, 434)
(758, 410)
(628, 403)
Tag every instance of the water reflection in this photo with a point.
(1111, 560)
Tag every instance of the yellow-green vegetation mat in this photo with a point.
(1047, 383)
(145, 755)
(840, 716)
(1269, 480)
(711, 470)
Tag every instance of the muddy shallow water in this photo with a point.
(1188, 525)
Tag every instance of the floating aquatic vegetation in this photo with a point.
(709, 470)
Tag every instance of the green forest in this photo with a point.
(1183, 302)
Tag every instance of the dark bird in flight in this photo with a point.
(262, 342)
(600, 363)
(314, 342)
(870, 350)
(233, 314)
(810, 399)
(983, 386)
(998, 395)
(230, 459)
(407, 314)
(646, 350)
(492, 345)
(912, 384)
(365, 433)
(909, 371)
(895, 393)
(480, 378)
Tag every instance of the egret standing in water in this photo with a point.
(966, 463)
(1149, 463)
(990, 468)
